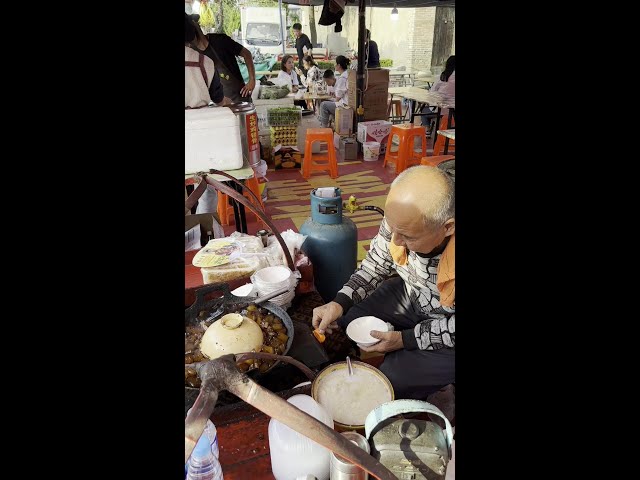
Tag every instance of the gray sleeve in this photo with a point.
(432, 334)
(374, 269)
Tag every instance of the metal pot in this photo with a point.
(346, 398)
(248, 131)
(229, 303)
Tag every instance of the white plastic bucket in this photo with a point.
(371, 151)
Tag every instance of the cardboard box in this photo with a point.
(347, 145)
(375, 131)
(350, 147)
(376, 95)
(344, 121)
(287, 157)
(209, 225)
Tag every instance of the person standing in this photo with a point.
(223, 50)
(302, 41)
(373, 56)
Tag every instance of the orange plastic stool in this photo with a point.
(309, 163)
(438, 148)
(225, 213)
(435, 160)
(405, 156)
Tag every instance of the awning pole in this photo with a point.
(281, 25)
(361, 57)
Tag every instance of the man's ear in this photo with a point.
(450, 227)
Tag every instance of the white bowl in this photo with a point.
(273, 276)
(358, 330)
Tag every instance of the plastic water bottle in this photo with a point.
(203, 465)
(212, 435)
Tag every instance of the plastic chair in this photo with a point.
(435, 160)
(438, 147)
(310, 162)
(225, 212)
(405, 156)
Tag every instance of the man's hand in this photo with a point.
(248, 88)
(389, 341)
(325, 315)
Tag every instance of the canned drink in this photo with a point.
(341, 469)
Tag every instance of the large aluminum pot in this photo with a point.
(349, 399)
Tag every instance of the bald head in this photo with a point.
(425, 190)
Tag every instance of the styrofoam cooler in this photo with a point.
(211, 140)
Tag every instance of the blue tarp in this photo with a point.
(263, 66)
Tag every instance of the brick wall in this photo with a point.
(420, 43)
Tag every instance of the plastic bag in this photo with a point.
(245, 256)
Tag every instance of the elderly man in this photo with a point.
(416, 241)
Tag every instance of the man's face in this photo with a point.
(297, 33)
(408, 228)
(331, 81)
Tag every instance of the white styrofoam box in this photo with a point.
(211, 140)
(375, 131)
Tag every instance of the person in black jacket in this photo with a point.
(302, 41)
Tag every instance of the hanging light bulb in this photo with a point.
(394, 13)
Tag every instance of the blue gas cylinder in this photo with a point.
(331, 244)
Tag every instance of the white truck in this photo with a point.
(261, 28)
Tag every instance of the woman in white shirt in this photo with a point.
(446, 84)
(288, 76)
(328, 107)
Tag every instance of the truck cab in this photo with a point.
(261, 29)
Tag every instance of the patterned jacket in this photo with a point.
(437, 330)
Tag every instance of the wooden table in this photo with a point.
(421, 98)
(266, 73)
(243, 173)
(317, 99)
(406, 76)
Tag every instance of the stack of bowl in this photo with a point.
(270, 279)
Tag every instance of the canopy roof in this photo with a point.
(383, 3)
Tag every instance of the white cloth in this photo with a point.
(196, 91)
(313, 75)
(341, 89)
(448, 88)
(284, 78)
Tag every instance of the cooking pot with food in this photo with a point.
(231, 324)
(350, 398)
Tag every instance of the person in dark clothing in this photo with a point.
(223, 50)
(302, 41)
(194, 98)
(373, 60)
